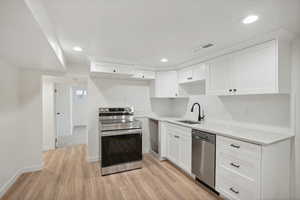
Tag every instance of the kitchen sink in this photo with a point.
(188, 122)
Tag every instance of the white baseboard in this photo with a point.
(93, 159)
(48, 147)
(33, 168)
(10, 182)
(14, 178)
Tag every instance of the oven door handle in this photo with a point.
(121, 132)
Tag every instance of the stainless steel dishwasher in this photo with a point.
(204, 157)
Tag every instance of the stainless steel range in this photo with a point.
(120, 139)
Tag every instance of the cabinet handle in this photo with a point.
(176, 94)
(234, 90)
(234, 191)
(176, 136)
(114, 70)
(235, 165)
(230, 90)
(189, 78)
(235, 146)
(143, 76)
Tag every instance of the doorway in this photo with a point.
(64, 111)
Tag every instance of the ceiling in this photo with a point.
(143, 31)
(137, 32)
(23, 43)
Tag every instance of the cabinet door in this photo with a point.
(185, 75)
(104, 68)
(173, 144)
(185, 153)
(125, 69)
(149, 75)
(254, 69)
(199, 72)
(166, 84)
(140, 74)
(219, 76)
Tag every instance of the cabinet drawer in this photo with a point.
(236, 187)
(240, 165)
(238, 148)
(181, 130)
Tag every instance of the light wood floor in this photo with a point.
(67, 176)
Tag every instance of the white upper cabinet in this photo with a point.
(219, 72)
(185, 75)
(260, 69)
(165, 85)
(144, 74)
(192, 74)
(104, 67)
(111, 68)
(125, 69)
(254, 69)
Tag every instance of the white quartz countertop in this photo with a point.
(248, 134)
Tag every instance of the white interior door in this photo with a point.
(63, 112)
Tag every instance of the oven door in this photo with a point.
(119, 147)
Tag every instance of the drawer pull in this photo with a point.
(235, 165)
(189, 78)
(176, 136)
(234, 191)
(235, 146)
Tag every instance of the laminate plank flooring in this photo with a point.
(67, 176)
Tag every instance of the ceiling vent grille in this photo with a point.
(202, 47)
(207, 45)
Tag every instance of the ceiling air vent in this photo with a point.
(207, 45)
(201, 47)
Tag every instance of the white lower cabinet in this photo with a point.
(246, 171)
(179, 146)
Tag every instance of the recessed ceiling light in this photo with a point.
(250, 19)
(77, 48)
(164, 60)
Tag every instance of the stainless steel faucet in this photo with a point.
(200, 117)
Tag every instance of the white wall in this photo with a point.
(113, 92)
(79, 106)
(49, 131)
(296, 119)
(266, 110)
(32, 118)
(20, 123)
(10, 136)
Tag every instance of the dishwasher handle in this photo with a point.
(203, 136)
(197, 137)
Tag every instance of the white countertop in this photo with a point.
(248, 134)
